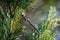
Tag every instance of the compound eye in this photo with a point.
(23, 14)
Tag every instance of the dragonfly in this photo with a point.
(30, 22)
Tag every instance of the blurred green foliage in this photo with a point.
(46, 35)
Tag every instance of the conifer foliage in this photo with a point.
(10, 25)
